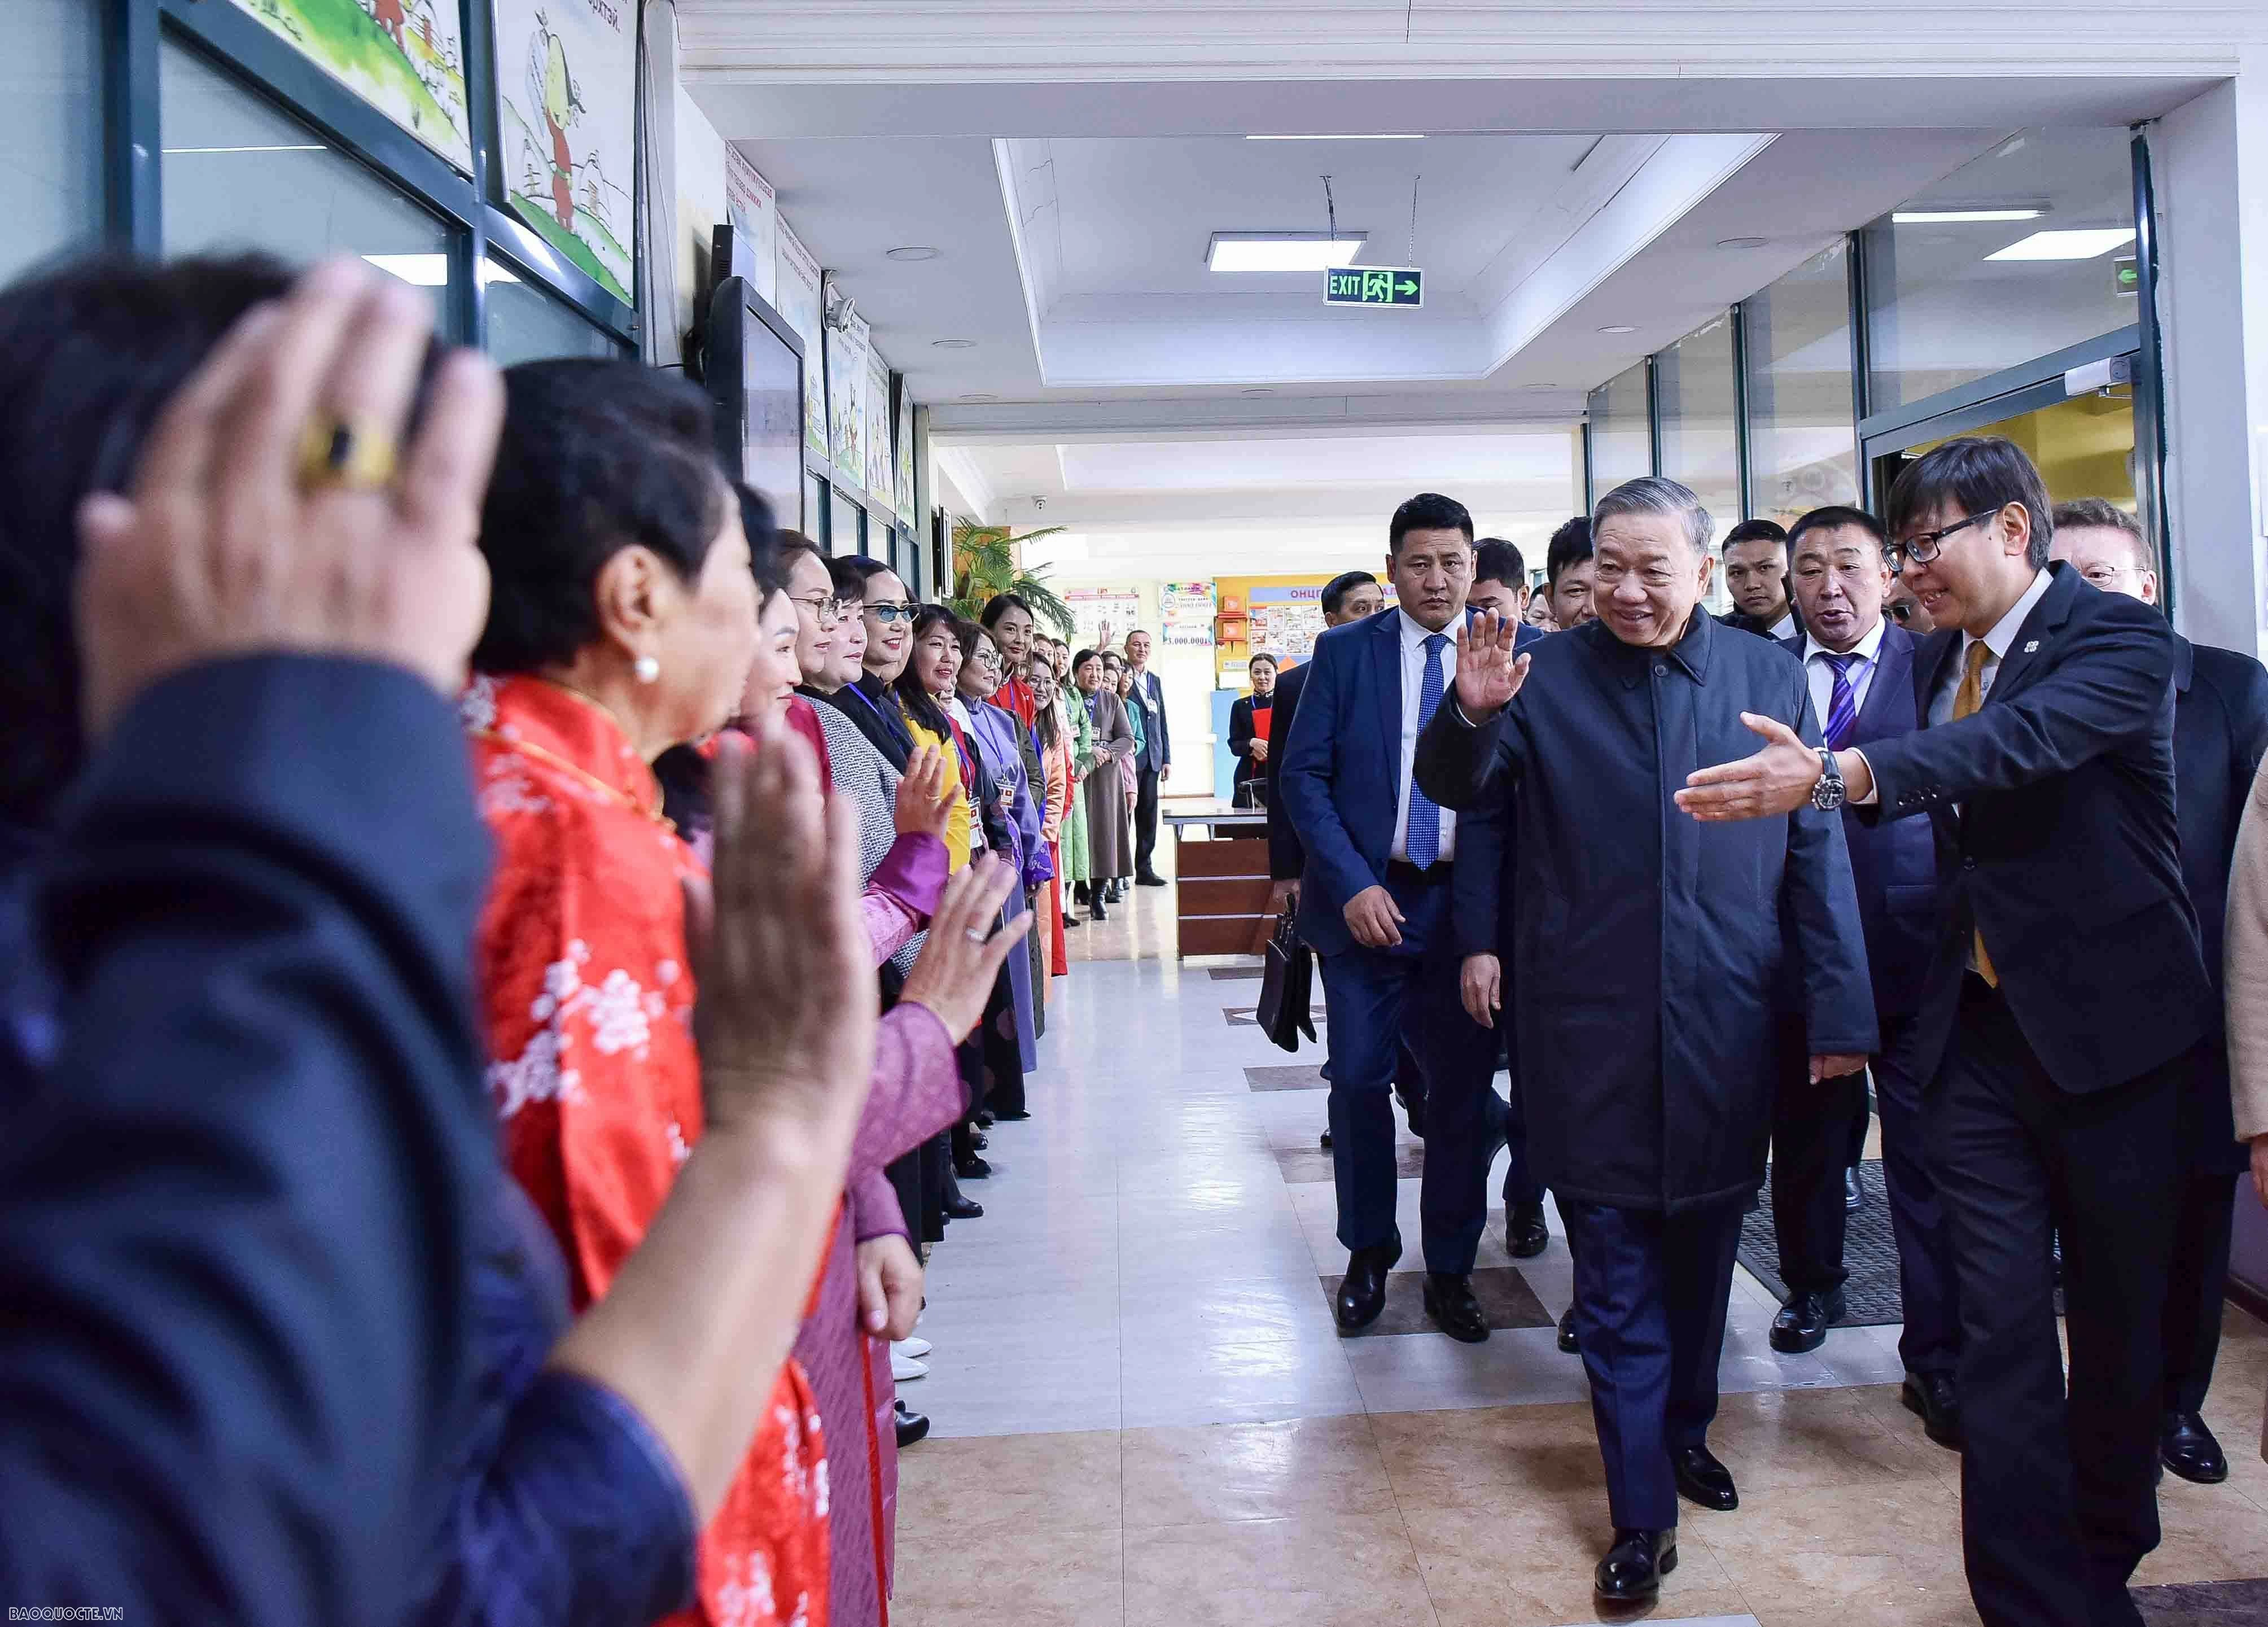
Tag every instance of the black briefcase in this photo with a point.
(1286, 985)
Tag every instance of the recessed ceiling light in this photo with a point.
(1540, 386)
(2080, 245)
(913, 251)
(1374, 137)
(1618, 327)
(980, 396)
(1258, 392)
(953, 344)
(1742, 242)
(1952, 216)
(1283, 251)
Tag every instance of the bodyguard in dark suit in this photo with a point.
(1351, 596)
(1859, 666)
(2046, 767)
(1376, 904)
(1155, 762)
(2220, 731)
(1650, 948)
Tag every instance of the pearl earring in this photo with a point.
(647, 669)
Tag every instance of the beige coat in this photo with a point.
(2247, 965)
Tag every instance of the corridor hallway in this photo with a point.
(1144, 1415)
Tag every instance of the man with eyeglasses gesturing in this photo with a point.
(2046, 765)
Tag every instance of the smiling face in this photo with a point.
(2108, 557)
(1264, 677)
(980, 674)
(1575, 594)
(1431, 571)
(817, 628)
(847, 660)
(1979, 571)
(774, 673)
(889, 626)
(1840, 579)
(1040, 673)
(1649, 577)
(709, 636)
(1014, 629)
(937, 660)
(1138, 651)
(1087, 675)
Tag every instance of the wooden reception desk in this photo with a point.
(1220, 865)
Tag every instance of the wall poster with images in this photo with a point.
(881, 461)
(404, 57)
(1102, 616)
(846, 396)
(567, 123)
(1285, 622)
(904, 470)
(803, 302)
(750, 207)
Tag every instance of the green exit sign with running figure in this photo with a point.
(1375, 286)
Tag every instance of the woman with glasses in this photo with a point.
(996, 736)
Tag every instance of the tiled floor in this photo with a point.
(1145, 1418)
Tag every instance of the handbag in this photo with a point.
(1286, 987)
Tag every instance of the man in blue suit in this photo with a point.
(1375, 902)
(1861, 667)
(2220, 731)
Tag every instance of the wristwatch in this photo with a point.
(1827, 795)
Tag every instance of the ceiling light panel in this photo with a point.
(1960, 216)
(2079, 245)
(1283, 251)
(1371, 137)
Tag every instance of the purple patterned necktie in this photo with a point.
(1842, 702)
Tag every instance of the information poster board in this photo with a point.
(1285, 622)
(755, 215)
(567, 121)
(905, 458)
(1102, 616)
(404, 57)
(846, 397)
(803, 301)
(1185, 612)
(881, 463)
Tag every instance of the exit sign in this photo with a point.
(1375, 286)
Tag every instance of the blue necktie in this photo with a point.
(1842, 703)
(1425, 834)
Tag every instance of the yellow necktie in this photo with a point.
(1966, 699)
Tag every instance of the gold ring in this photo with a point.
(334, 451)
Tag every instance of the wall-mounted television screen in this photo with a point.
(755, 376)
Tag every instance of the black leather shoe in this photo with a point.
(1702, 1481)
(1803, 1321)
(986, 1118)
(1525, 1234)
(912, 1426)
(1931, 1397)
(1096, 911)
(2187, 1447)
(1017, 1117)
(1413, 1108)
(1567, 1332)
(1855, 1194)
(980, 1141)
(1149, 878)
(1449, 1301)
(971, 1169)
(1325, 1139)
(1362, 1295)
(1632, 1571)
(963, 1209)
(1070, 922)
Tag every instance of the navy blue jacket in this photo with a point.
(1287, 861)
(1157, 738)
(2064, 849)
(1648, 944)
(240, 1195)
(2220, 733)
(1483, 889)
(1893, 866)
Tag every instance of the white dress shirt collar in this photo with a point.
(1414, 634)
(1869, 646)
(2002, 639)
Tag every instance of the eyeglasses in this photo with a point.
(1925, 546)
(887, 613)
(1901, 611)
(825, 606)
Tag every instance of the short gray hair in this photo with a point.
(2084, 513)
(1657, 493)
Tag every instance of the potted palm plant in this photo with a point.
(986, 564)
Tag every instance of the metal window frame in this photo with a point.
(1653, 415)
(265, 65)
(1741, 408)
(2151, 491)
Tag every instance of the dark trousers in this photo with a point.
(1145, 822)
(1649, 1296)
(1374, 998)
(1520, 1186)
(1810, 1150)
(1931, 1339)
(2205, 1206)
(2058, 1499)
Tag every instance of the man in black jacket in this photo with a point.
(2220, 731)
(1860, 665)
(2046, 766)
(1755, 575)
(1649, 948)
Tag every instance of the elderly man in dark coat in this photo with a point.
(1650, 946)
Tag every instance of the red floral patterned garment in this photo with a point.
(589, 1008)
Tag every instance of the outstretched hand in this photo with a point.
(1777, 779)
(924, 804)
(1489, 675)
(965, 948)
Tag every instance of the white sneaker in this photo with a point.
(905, 1368)
(915, 1348)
